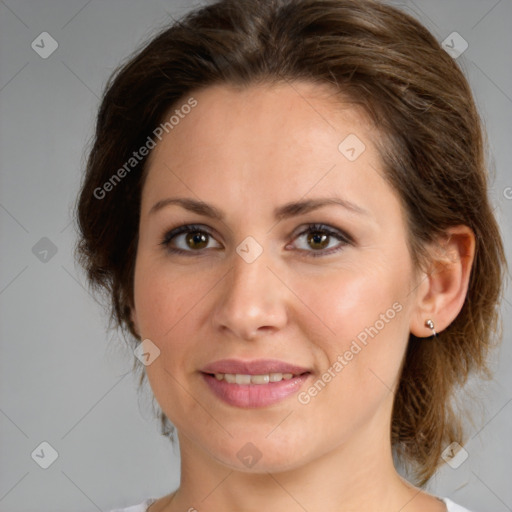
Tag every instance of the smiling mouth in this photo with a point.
(254, 383)
(262, 379)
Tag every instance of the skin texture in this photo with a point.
(248, 151)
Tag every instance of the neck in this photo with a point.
(356, 475)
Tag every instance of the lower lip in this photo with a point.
(254, 395)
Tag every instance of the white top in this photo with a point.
(142, 507)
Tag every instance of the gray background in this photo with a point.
(64, 378)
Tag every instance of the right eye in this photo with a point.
(193, 238)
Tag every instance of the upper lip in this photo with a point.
(254, 367)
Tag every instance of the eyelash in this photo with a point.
(315, 228)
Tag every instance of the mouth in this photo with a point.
(251, 384)
(244, 379)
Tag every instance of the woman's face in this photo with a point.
(331, 304)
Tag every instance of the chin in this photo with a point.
(259, 454)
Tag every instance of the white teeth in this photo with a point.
(260, 379)
(229, 377)
(242, 379)
(237, 378)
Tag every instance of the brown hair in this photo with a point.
(432, 152)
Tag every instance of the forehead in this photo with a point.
(267, 141)
(263, 115)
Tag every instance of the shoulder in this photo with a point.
(141, 507)
(453, 507)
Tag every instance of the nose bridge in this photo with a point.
(252, 297)
(250, 273)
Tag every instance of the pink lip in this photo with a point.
(254, 395)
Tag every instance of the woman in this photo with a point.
(287, 204)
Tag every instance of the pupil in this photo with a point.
(197, 238)
(318, 238)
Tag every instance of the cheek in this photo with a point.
(170, 304)
(349, 299)
(359, 353)
(161, 299)
(165, 312)
(360, 315)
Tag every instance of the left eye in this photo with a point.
(318, 237)
(196, 238)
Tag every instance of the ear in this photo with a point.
(442, 289)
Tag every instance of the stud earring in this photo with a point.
(430, 324)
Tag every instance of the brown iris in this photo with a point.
(316, 237)
(197, 237)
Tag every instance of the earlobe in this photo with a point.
(442, 290)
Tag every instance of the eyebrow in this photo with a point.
(282, 212)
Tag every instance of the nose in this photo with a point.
(252, 300)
